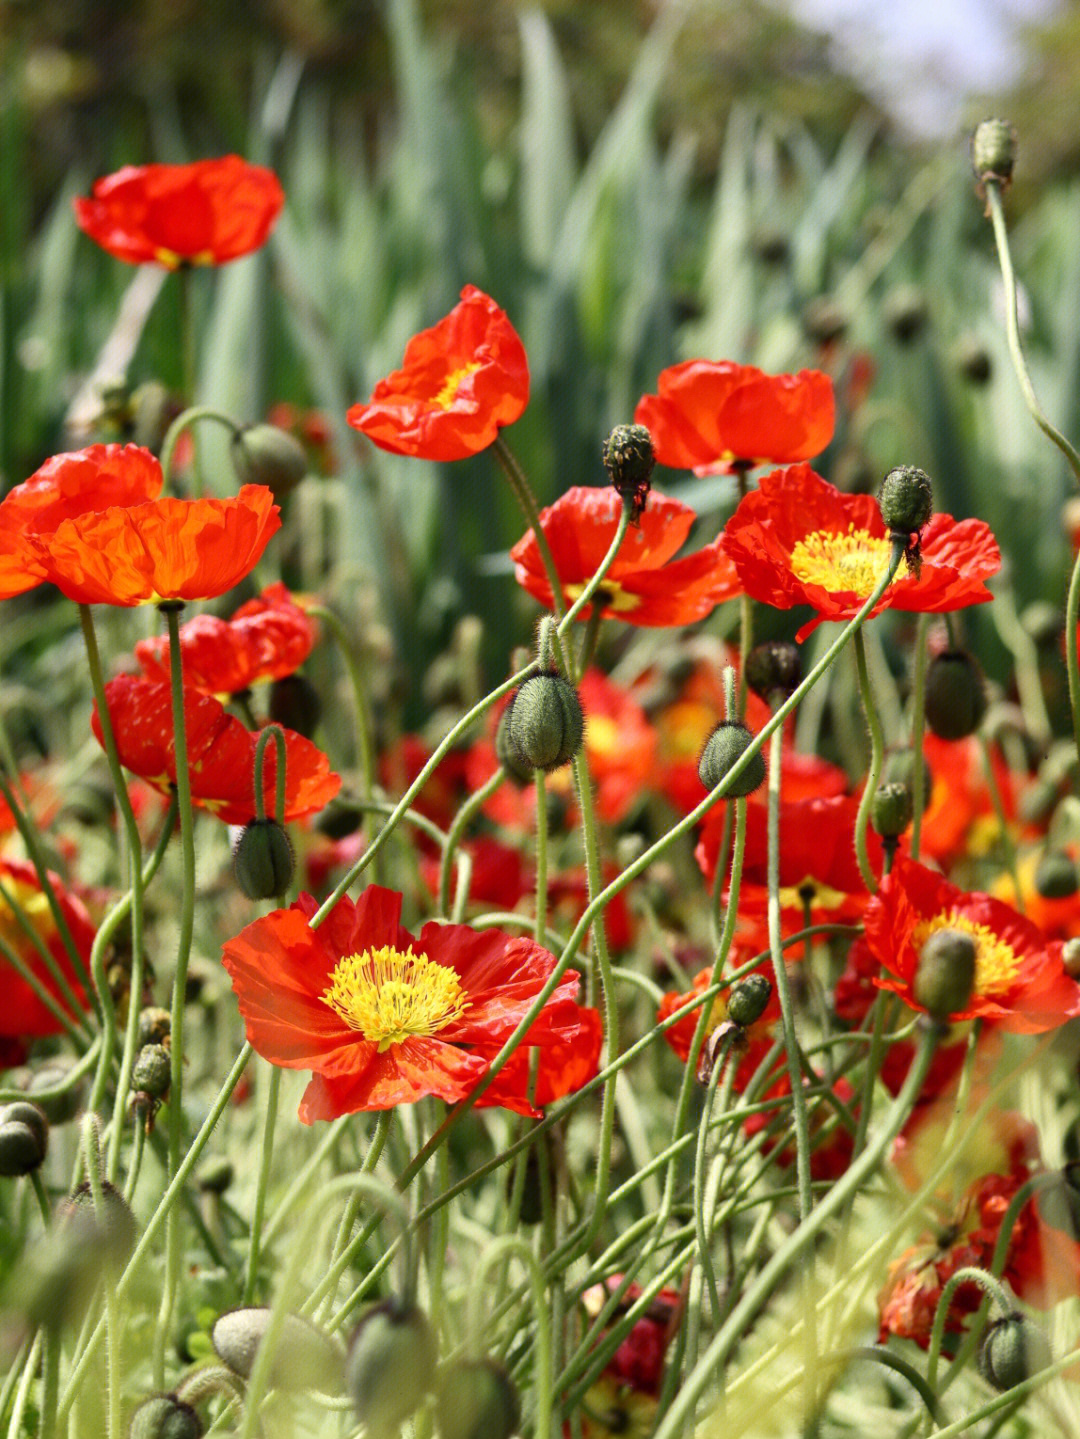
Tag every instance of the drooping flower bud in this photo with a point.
(216, 1175)
(110, 1233)
(547, 724)
(476, 1399)
(268, 455)
(506, 751)
(955, 695)
(1012, 1350)
(906, 499)
(304, 1357)
(629, 459)
(152, 1071)
(726, 745)
(24, 1138)
(748, 999)
(774, 670)
(993, 151)
(165, 1417)
(972, 359)
(824, 320)
(294, 702)
(906, 313)
(390, 1365)
(263, 860)
(891, 809)
(945, 975)
(1056, 876)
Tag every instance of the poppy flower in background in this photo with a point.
(645, 585)
(711, 413)
(797, 540)
(383, 1018)
(24, 1015)
(266, 639)
(459, 384)
(1020, 979)
(221, 753)
(206, 213)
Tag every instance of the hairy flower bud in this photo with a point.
(390, 1365)
(774, 670)
(304, 1357)
(906, 499)
(945, 975)
(476, 1399)
(891, 809)
(748, 999)
(506, 751)
(24, 1138)
(165, 1417)
(1056, 876)
(547, 724)
(955, 695)
(1012, 1350)
(109, 1233)
(268, 455)
(629, 459)
(726, 745)
(263, 859)
(993, 151)
(152, 1071)
(294, 702)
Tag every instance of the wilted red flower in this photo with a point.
(221, 753)
(1020, 979)
(200, 214)
(797, 540)
(460, 383)
(623, 1400)
(383, 1018)
(710, 413)
(266, 639)
(24, 1015)
(645, 585)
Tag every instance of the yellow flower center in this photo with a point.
(996, 962)
(448, 394)
(389, 996)
(820, 895)
(611, 597)
(35, 908)
(853, 562)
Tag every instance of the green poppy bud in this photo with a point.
(774, 670)
(506, 751)
(906, 499)
(152, 1071)
(267, 455)
(305, 1357)
(165, 1417)
(1012, 1350)
(547, 724)
(824, 320)
(294, 702)
(891, 809)
(906, 313)
(955, 695)
(390, 1365)
(476, 1399)
(629, 459)
(263, 859)
(898, 767)
(748, 999)
(110, 1233)
(993, 151)
(972, 359)
(945, 975)
(24, 1138)
(1056, 876)
(50, 1074)
(726, 745)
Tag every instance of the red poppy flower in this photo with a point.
(1020, 979)
(645, 585)
(24, 1015)
(266, 639)
(797, 540)
(201, 214)
(459, 384)
(383, 1018)
(221, 753)
(681, 1034)
(712, 412)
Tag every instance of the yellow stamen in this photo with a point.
(448, 394)
(611, 597)
(821, 896)
(389, 996)
(853, 562)
(996, 962)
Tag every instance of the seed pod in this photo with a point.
(165, 1417)
(629, 459)
(993, 151)
(945, 976)
(906, 499)
(270, 456)
(891, 809)
(305, 1357)
(24, 1138)
(955, 695)
(263, 859)
(1012, 1350)
(152, 1071)
(726, 745)
(390, 1365)
(476, 1399)
(748, 999)
(547, 724)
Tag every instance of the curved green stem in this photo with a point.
(277, 734)
(597, 577)
(365, 724)
(182, 422)
(877, 750)
(527, 500)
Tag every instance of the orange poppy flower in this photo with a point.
(266, 639)
(383, 1018)
(24, 1015)
(460, 383)
(645, 585)
(711, 413)
(1020, 978)
(221, 753)
(201, 214)
(797, 540)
